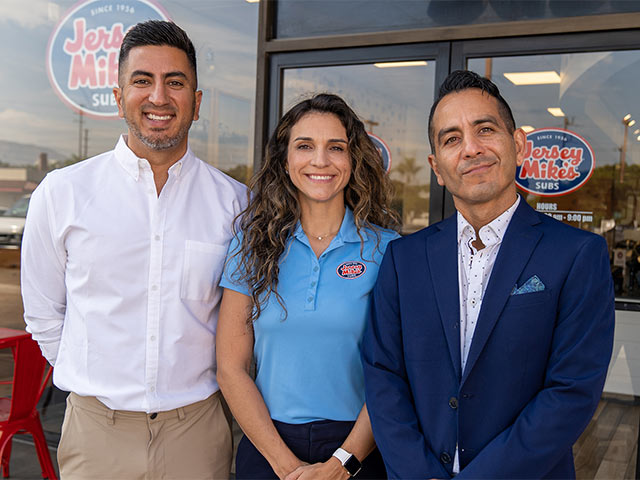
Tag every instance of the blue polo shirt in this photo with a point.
(308, 365)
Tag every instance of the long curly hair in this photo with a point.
(273, 210)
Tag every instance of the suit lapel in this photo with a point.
(518, 244)
(442, 255)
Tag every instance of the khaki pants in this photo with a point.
(191, 442)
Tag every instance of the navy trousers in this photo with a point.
(312, 443)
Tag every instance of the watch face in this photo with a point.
(352, 465)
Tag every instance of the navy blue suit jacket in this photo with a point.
(536, 366)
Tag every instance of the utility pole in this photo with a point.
(80, 115)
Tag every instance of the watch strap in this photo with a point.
(348, 461)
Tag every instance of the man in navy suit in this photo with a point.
(490, 332)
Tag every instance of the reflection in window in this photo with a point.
(394, 103)
(40, 132)
(593, 95)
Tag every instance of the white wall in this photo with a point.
(624, 370)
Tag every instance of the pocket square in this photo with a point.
(534, 284)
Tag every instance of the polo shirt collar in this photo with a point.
(348, 231)
(131, 163)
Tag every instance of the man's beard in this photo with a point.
(163, 142)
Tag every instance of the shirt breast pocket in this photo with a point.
(201, 270)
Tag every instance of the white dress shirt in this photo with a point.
(120, 285)
(474, 271)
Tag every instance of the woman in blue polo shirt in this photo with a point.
(312, 238)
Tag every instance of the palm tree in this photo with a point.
(408, 169)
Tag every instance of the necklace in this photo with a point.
(322, 237)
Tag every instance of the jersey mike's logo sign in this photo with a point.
(351, 270)
(82, 55)
(556, 162)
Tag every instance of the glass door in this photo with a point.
(393, 100)
(392, 95)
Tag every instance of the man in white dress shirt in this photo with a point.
(121, 259)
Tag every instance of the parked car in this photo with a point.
(12, 223)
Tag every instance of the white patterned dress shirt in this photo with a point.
(120, 285)
(474, 271)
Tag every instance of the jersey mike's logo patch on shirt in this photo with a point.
(351, 270)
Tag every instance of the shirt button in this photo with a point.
(315, 269)
(154, 287)
(453, 403)
(152, 389)
(313, 284)
(153, 338)
(445, 457)
(310, 299)
(157, 237)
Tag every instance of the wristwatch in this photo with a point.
(348, 461)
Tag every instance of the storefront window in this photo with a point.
(393, 101)
(582, 164)
(54, 112)
(35, 119)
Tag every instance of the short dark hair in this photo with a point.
(159, 33)
(463, 80)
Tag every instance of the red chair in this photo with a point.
(19, 414)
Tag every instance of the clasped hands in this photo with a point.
(332, 469)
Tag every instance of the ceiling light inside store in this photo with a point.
(252, 1)
(555, 111)
(533, 78)
(626, 117)
(632, 123)
(636, 131)
(527, 128)
(418, 63)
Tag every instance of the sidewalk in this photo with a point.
(24, 461)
